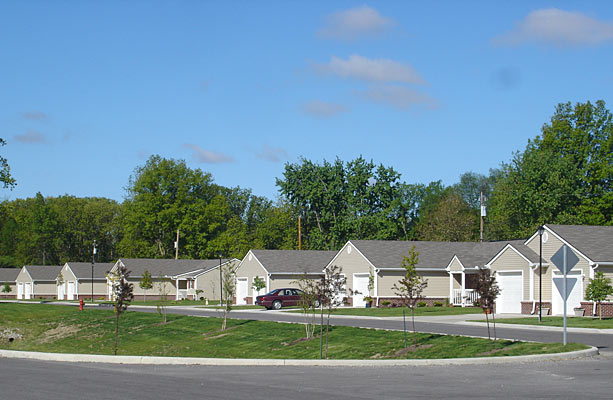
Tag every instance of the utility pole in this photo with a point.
(483, 214)
(177, 246)
(299, 235)
(93, 262)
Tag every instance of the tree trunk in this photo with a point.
(414, 331)
(327, 332)
(116, 329)
(494, 323)
(600, 310)
(321, 334)
(489, 337)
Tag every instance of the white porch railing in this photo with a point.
(182, 294)
(464, 297)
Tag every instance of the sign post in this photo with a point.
(565, 260)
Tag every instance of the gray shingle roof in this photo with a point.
(43, 272)
(9, 274)
(84, 270)
(166, 267)
(596, 242)
(294, 261)
(388, 254)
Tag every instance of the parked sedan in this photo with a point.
(278, 298)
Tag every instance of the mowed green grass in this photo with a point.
(63, 329)
(397, 311)
(573, 322)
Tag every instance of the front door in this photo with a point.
(20, 291)
(70, 291)
(60, 291)
(242, 288)
(360, 287)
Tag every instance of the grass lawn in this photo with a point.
(574, 322)
(60, 329)
(174, 302)
(397, 311)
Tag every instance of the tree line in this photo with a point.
(563, 176)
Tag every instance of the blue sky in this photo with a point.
(90, 89)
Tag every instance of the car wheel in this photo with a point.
(316, 304)
(276, 305)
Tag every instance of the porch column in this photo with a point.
(451, 299)
(463, 287)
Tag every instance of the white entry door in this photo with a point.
(242, 290)
(28, 294)
(574, 284)
(511, 292)
(360, 286)
(20, 291)
(70, 291)
(61, 289)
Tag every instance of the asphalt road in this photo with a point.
(34, 380)
(604, 342)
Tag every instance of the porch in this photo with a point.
(185, 289)
(463, 288)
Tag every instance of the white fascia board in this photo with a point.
(603, 263)
(28, 272)
(416, 269)
(455, 257)
(296, 273)
(72, 272)
(509, 245)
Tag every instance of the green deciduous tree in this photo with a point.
(228, 279)
(123, 294)
(410, 287)
(145, 283)
(451, 219)
(6, 288)
(488, 290)
(5, 171)
(598, 290)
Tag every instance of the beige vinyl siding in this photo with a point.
(455, 265)
(209, 284)
(23, 277)
(549, 249)
(546, 277)
(283, 281)
(44, 289)
(509, 260)
(250, 268)
(67, 274)
(438, 283)
(159, 284)
(352, 262)
(85, 288)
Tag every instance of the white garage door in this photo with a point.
(360, 285)
(242, 288)
(574, 286)
(20, 291)
(511, 292)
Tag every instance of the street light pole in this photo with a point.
(541, 229)
(93, 262)
(220, 284)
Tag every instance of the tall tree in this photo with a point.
(5, 171)
(450, 220)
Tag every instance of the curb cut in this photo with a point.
(146, 360)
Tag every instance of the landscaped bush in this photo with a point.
(421, 304)
(386, 303)
(438, 304)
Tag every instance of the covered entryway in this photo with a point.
(360, 287)
(242, 290)
(574, 285)
(511, 292)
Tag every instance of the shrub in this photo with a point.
(201, 298)
(421, 304)
(386, 303)
(438, 304)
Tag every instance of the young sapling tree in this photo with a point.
(163, 289)
(309, 300)
(410, 288)
(6, 288)
(146, 283)
(123, 294)
(598, 290)
(488, 290)
(332, 292)
(228, 278)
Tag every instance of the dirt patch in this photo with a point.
(59, 332)
(487, 353)
(216, 336)
(411, 348)
(302, 339)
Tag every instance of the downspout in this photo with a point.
(376, 288)
(532, 269)
(592, 273)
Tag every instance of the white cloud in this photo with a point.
(398, 96)
(558, 27)
(206, 156)
(374, 70)
(274, 154)
(323, 109)
(34, 115)
(30, 137)
(355, 23)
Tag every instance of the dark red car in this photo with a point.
(278, 298)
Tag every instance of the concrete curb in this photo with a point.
(143, 360)
(540, 328)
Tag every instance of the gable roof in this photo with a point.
(595, 242)
(388, 254)
(166, 267)
(83, 270)
(198, 272)
(294, 261)
(9, 274)
(43, 272)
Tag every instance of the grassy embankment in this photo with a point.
(61, 329)
(397, 311)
